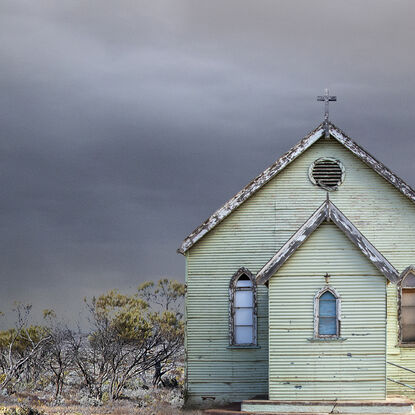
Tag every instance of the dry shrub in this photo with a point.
(156, 409)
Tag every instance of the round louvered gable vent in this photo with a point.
(327, 173)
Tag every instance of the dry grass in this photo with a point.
(117, 409)
(152, 401)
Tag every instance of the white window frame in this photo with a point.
(232, 290)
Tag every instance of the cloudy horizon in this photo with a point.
(125, 124)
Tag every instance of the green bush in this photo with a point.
(21, 410)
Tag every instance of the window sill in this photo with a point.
(326, 339)
(241, 346)
(406, 345)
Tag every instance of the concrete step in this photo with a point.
(388, 406)
(231, 412)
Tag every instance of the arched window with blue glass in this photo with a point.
(327, 313)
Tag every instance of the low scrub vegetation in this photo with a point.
(131, 353)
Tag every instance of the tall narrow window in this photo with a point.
(407, 308)
(242, 296)
(327, 313)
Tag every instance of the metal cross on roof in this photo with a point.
(326, 98)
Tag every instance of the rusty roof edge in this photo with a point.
(368, 159)
(251, 188)
(327, 210)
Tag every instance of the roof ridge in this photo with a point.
(271, 171)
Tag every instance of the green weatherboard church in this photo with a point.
(302, 286)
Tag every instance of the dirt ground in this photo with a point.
(117, 409)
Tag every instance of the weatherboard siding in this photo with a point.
(250, 236)
(351, 369)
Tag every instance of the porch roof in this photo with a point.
(329, 212)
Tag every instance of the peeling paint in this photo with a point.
(251, 235)
(283, 162)
(232, 290)
(327, 211)
(250, 189)
(407, 272)
(350, 368)
(376, 165)
(327, 288)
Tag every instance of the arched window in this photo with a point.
(327, 313)
(242, 309)
(407, 306)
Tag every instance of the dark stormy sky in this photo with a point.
(124, 124)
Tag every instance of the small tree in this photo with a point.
(130, 334)
(168, 296)
(58, 356)
(87, 362)
(118, 325)
(21, 347)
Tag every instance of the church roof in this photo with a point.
(283, 162)
(327, 211)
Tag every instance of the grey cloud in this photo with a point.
(125, 124)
